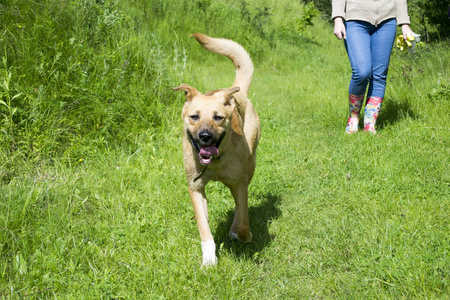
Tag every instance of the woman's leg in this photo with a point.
(357, 45)
(382, 40)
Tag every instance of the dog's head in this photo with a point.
(207, 119)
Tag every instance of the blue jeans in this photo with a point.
(369, 50)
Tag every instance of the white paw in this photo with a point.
(209, 253)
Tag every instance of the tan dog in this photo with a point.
(221, 132)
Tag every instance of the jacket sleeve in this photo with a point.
(402, 12)
(338, 7)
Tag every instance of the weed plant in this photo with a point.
(93, 198)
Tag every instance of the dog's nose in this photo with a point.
(205, 136)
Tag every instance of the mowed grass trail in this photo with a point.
(349, 216)
(332, 215)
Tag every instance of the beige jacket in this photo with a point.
(372, 11)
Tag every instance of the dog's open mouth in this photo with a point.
(207, 153)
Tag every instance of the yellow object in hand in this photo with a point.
(410, 41)
(401, 44)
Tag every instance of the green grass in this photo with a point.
(93, 197)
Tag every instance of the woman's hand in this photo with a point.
(339, 28)
(406, 30)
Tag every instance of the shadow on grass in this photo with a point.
(393, 111)
(260, 218)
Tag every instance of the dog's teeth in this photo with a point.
(205, 159)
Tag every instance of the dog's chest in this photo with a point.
(229, 175)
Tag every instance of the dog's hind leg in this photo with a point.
(198, 199)
(240, 229)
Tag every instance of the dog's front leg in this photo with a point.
(199, 202)
(240, 229)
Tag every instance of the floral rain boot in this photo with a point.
(371, 112)
(355, 103)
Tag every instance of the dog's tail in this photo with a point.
(240, 58)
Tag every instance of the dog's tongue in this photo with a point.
(207, 152)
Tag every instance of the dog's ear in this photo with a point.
(190, 92)
(229, 99)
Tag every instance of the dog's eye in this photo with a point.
(218, 118)
(194, 117)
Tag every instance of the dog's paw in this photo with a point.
(209, 261)
(209, 253)
(235, 237)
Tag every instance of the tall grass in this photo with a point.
(93, 198)
(84, 74)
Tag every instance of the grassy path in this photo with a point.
(348, 216)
